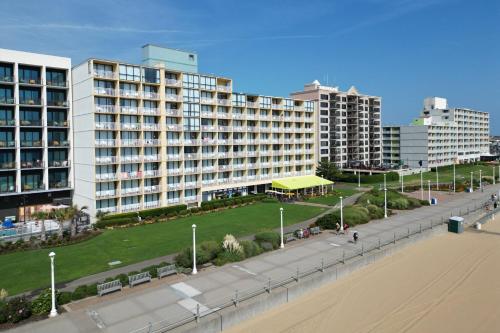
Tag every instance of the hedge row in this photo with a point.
(366, 179)
(130, 218)
(214, 204)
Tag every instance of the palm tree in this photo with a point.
(75, 213)
(60, 216)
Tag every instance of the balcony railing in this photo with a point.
(151, 173)
(208, 182)
(131, 158)
(105, 126)
(112, 209)
(104, 91)
(7, 144)
(131, 174)
(131, 207)
(174, 171)
(152, 204)
(31, 143)
(7, 100)
(36, 81)
(189, 185)
(224, 88)
(225, 102)
(59, 184)
(57, 123)
(106, 194)
(59, 163)
(7, 122)
(172, 112)
(32, 187)
(174, 127)
(130, 126)
(151, 95)
(58, 83)
(151, 111)
(131, 142)
(8, 165)
(106, 108)
(58, 143)
(7, 78)
(30, 101)
(152, 158)
(130, 191)
(30, 122)
(173, 157)
(106, 176)
(151, 142)
(64, 104)
(105, 74)
(174, 186)
(130, 93)
(129, 109)
(152, 189)
(172, 82)
(173, 98)
(105, 142)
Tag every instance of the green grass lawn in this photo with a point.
(23, 271)
(446, 175)
(332, 199)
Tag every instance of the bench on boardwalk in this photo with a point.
(139, 278)
(289, 237)
(166, 271)
(109, 287)
(315, 231)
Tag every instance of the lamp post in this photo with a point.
(281, 218)
(53, 311)
(429, 182)
(421, 184)
(359, 179)
(385, 202)
(385, 180)
(454, 178)
(480, 180)
(194, 250)
(341, 215)
(437, 179)
(471, 181)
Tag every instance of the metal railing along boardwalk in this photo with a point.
(313, 266)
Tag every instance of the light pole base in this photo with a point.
(282, 246)
(53, 313)
(194, 272)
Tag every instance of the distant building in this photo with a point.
(495, 146)
(173, 59)
(347, 123)
(440, 136)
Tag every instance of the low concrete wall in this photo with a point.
(230, 316)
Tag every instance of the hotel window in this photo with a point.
(190, 81)
(151, 75)
(265, 102)
(191, 110)
(29, 75)
(130, 73)
(239, 100)
(7, 183)
(288, 104)
(6, 73)
(191, 95)
(207, 83)
(101, 68)
(55, 78)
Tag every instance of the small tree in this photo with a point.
(327, 170)
(41, 216)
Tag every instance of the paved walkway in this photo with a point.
(170, 302)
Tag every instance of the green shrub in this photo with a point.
(205, 252)
(3, 312)
(123, 279)
(375, 212)
(64, 297)
(251, 248)
(17, 309)
(79, 293)
(43, 303)
(131, 218)
(353, 215)
(400, 204)
(268, 237)
(92, 289)
(212, 248)
(226, 257)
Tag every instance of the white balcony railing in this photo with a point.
(105, 159)
(131, 207)
(105, 143)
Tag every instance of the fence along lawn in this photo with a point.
(23, 271)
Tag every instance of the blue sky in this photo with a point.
(402, 50)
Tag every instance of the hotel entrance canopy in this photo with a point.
(301, 182)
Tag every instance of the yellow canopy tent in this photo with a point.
(300, 182)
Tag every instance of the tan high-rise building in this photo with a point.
(153, 136)
(347, 125)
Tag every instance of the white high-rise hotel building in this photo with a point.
(162, 134)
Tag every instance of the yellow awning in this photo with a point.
(297, 183)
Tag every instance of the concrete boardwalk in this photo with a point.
(171, 302)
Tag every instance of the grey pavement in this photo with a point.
(166, 302)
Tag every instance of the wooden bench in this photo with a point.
(166, 271)
(315, 231)
(139, 278)
(109, 287)
(289, 237)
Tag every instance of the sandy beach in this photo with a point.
(450, 283)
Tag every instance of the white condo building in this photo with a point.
(151, 135)
(440, 136)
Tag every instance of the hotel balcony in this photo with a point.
(204, 100)
(150, 95)
(152, 189)
(208, 182)
(126, 191)
(9, 165)
(105, 74)
(32, 187)
(209, 155)
(58, 143)
(224, 88)
(224, 102)
(131, 174)
(31, 122)
(32, 143)
(31, 101)
(130, 126)
(192, 142)
(152, 204)
(64, 183)
(189, 171)
(151, 142)
(131, 158)
(104, 91)
(106, 108)
(59, 164)
(105, 126)
(172, 82)
(192, 156)
(151, 111)
(105, 177)
(7, 144)
(106, 194)
(173, 157)
(7, 122)
(130, 93)
(151, 173)
(174, 127)
(173, 172)
(131, 142)
(108, 210)
(7, 100)
(152, 158)
(57, 84)
(60, 104)
(190, 185)
(129, 110)
(174, 186)
(191, 199)
(253, 105)
(6, 79)
(173, 98)
(173, 112)
(130, 207)
(57, 123)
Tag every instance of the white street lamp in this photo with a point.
(429, 182)
(281, 218)
(480, 180)
(53, 311)
(341, 215)
(421, 184)
(194, 250)
(471, 181)
(437, 179)
(385, 181)
(385, 202)
(359, 179)
(402, 183)
(454, 178)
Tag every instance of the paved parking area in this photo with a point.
(212, 287)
